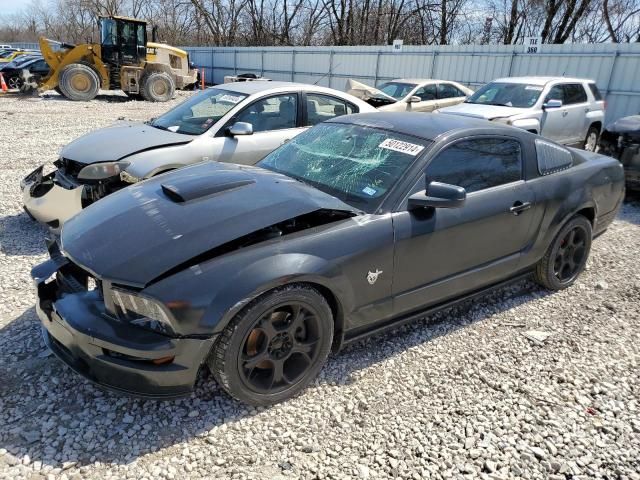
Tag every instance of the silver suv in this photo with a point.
(567, 110)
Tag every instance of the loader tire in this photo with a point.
(79, 82)
(158, 87)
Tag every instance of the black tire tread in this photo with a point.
(216, 360)
(145, 89)
(83, 97)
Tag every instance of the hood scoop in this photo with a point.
(186, 188)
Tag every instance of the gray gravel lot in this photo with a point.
(461, 395)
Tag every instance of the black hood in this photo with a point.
(120, 141)
(135, 235)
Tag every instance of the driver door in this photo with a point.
(275, 120)
(441, 253)
(428, 101)
(553, 119)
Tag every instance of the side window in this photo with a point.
(478, 164)
(596, 93)
(551, 157)
(446, 90)
(324, 107)
(574, 93)
(556, 93)
(272, 113)
(426, 93)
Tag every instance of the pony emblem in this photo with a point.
(372, 277)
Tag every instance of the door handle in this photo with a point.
(565, 113)
(520, 207)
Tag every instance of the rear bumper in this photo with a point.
(111, 353)
(48, 202)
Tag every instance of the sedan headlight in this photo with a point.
(100, 171)
(142, 311)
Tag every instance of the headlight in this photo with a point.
(142, 311)
(100, 171)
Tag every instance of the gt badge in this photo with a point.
(372, 277)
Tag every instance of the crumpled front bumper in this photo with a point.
(48, 202)
(109, 352)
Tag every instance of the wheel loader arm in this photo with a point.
(89, 54)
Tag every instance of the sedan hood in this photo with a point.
(119, 141)
(135, 235)
(488, 112)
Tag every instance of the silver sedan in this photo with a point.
(236, 122)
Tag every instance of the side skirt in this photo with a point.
(396, 322)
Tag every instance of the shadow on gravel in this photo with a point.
(55, 416)
(19, 235)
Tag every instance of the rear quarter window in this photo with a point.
(551, 157)
(596, 93)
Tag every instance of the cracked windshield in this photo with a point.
(359, 165)
(200, 112)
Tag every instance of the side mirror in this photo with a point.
(240, 128)
(552, 104)
(414, 99)
(438, 195)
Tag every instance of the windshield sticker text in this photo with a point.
(369, 191)
(229, 98)
(402, 147)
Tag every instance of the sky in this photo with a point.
(12, 6)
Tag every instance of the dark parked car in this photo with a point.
(14, 73)
(621, 139)
(352, 227)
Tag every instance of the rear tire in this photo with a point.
(158, 87)
(591, 140)
(275, 346)
(567, 255)
(78, 82)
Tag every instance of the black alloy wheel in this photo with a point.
(567, 255)
(275, 346)
(280, 348)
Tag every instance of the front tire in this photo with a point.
(591, 140)
(275, 346)
(78, 82)
(567, 255)
(158, 87)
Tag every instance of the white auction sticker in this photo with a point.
(402, 147)
(230, 98)
(533, 87)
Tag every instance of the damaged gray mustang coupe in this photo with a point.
(357, 225)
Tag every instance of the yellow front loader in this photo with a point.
(122, 60)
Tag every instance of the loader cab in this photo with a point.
(123, 41)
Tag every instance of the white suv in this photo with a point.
(567, 110)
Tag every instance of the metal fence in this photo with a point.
(614, 67)
(26, 46)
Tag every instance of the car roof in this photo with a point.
(258, 86)
(540, 80)
(252, 88)
(420, 80)
(423, 125)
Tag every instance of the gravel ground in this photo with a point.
(463, 394)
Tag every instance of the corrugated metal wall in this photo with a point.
(615, 67)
